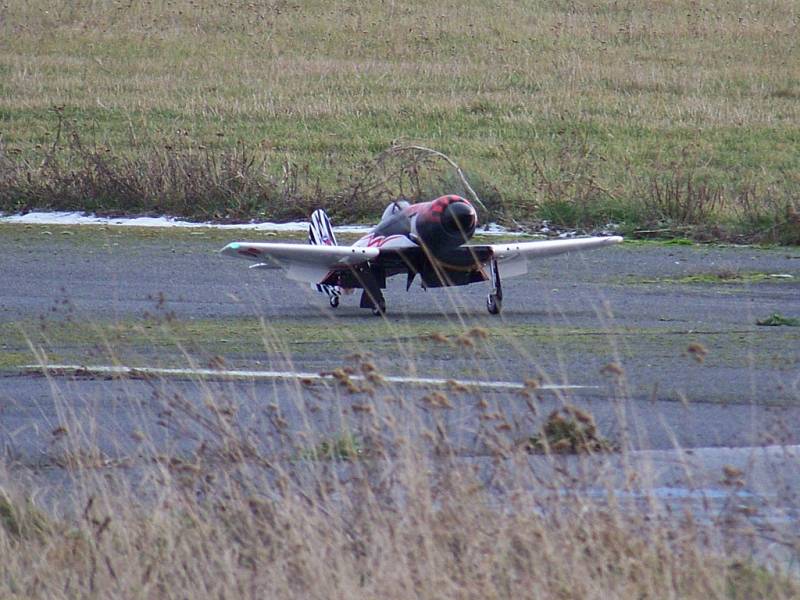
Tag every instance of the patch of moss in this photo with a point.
(718, 277)
(21, 520)
(569, 430)
(745, 579)
(346, 447)
(12, 360)
(777, 319)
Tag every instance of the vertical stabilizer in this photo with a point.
(320, 233)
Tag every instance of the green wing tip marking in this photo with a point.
(234, 246)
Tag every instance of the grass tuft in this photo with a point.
(22, 519)
(570, 430)
(778, 320)
(345, 447)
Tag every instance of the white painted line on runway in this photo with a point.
(123, 371)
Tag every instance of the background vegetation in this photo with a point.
(657, 115)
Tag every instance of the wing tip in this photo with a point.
(231, 248)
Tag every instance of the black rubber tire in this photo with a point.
(334, 301)
(493, 305)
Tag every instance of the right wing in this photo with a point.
(512, 258)
(302, 262)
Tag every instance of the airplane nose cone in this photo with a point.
(459, 219)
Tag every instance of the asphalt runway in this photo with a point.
(677, 371)
(567, 320)
(622, 305)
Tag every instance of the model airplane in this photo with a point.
(427, 239)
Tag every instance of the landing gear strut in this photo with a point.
(371, 297)
(379, 308)
(494, 302)
(376, 302)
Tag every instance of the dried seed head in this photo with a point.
(456, 386)
(438, 337)
(731, 472)
(697, 351)
(478, 332)
(613, 369)
(437, 399)
(368, 367)
(465, 341)
(532, 383)
(561, 445)
(583, 417)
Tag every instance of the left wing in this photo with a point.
(302, 262)
(513, 258)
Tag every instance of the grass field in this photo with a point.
(653, 115)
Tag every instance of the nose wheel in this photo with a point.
(334, 301)
(494, 302)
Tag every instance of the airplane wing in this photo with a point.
(512, 258)
(301, 262)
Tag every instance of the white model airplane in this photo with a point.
(426, 239)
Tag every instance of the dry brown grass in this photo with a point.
(392, 507)
(398, 523)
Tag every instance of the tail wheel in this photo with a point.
(334, 301)
(493, 304)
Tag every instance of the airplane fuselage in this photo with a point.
(446, 222)
(424, 238)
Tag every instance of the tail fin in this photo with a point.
(320, 233)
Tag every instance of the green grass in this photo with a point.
(572, 113)
(345, 447)
(777, 320)
(721, 277)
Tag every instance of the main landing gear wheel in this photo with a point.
(493, 304)
(379, 309)
(334, 301)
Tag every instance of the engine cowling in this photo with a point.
(446, 222)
